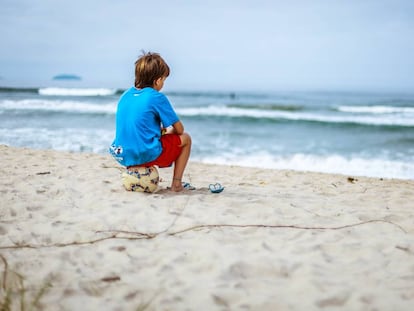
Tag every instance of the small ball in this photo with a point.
(141, 179)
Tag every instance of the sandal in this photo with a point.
(216, 188)
(187, 186)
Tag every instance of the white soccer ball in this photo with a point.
(142, 179)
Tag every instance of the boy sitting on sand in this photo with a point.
(148, 131)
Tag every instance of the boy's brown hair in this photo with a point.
(148, 68)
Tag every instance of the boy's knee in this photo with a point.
(186, 139)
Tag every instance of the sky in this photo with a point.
(212, 45)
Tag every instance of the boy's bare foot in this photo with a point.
(177, 189)
(178, 186)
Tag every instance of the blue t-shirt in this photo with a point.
(140, 115)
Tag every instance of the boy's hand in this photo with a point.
(167, 130)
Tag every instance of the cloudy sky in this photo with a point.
(212, 45)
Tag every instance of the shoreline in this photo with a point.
(335, 241)
(167, 171)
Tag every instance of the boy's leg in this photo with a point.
(181, 162)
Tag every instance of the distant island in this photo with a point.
(67, 77)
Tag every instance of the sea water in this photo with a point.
(369, 134)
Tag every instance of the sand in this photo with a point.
(272, 240)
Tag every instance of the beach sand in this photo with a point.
(272, 240)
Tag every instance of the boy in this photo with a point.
(148, 131)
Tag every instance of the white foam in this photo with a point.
(397, 120)
(376, 109)
(337, 164)
(59, 105)
(63, 139)
(76, 91)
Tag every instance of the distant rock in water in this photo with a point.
(67, 77)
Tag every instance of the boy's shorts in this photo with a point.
(171, 149)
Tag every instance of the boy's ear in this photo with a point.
(157, 81)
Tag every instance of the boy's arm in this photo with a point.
(178, 128)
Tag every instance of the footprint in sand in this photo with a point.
(3, 230)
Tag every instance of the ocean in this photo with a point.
(351, 133)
